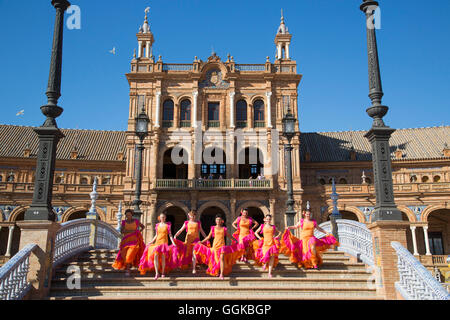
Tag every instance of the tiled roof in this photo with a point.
(415, 144)
(91, 145)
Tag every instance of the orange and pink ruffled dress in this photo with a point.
(267, 247)
(131, 247)
(185, 249)
(299, 250)
(245, 237)
(162, 247)
(211, 256)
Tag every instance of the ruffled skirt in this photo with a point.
(184, 253)
(170, 254)
(210, 257)
(130, 251)
(263, 254)
(300, 251)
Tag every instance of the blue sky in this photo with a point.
(329, 45)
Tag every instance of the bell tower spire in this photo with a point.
(145, 39)
(283, 41)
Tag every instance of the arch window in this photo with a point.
(425, 179)
(168, 113)
(342, 181)
(436, 179)
(185, 113)
(258, 113)
(84, 180)
(413, 178)
(241, 114)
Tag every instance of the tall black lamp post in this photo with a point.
(289, 132)
(379, 134)
(142, 122)
(49, 135)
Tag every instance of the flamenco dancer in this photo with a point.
(159, 256)
(267, 249)
(185, 249)
(306, 251)
(245, 235)
(219, 258)
(132, 244)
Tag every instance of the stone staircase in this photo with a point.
(338, 278)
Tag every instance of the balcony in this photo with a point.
(403, 188)
(220, 184)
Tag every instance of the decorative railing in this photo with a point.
(416, 282)
(83, 234)
(241, 124)
(250, 67)
(354, 238)
(72, 238)
(259, 124)
(177, 67)
(213, 124)
(185, 123)
(167, 124)
(224, 184)
(106, 237)
(14, 284)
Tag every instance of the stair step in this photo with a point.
(224, 292)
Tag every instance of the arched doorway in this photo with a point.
(439, 231)
(176, 216)
(409, 242)
(214, 163)
(208, 218)
(256, 214)
(80, 214)
(347, 215)
(173, 170)
(251, 163)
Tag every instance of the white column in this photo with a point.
(140, 49)
(194, 116)
(413, 232)
(427, 244)
(269, 109)
(287, 51)
(147, 49)
(232, 124)
(279, 51)
(158, 104)
(10, 238)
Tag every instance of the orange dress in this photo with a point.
(131, 247)
(162, 247)
(245, 237)
(211, 256)
(267, 247)
(185, 249)
(300, 250)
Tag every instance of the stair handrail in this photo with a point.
(107, 237)
(72, 238)
(14, 284)
(354, 238)
(416, 282)
(81, 235)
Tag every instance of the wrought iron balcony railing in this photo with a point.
(216, 184)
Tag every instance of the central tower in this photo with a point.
(215, 142)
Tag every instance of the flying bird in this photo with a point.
(113, 51)
(20, 113)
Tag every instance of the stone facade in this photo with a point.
(217, 101)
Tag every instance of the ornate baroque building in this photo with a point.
(215, 144)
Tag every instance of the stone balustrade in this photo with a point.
(14, 284)
(28, 187)
(216, 184)
(416, 282)
(354, 238)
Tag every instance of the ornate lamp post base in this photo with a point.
(41, 207)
